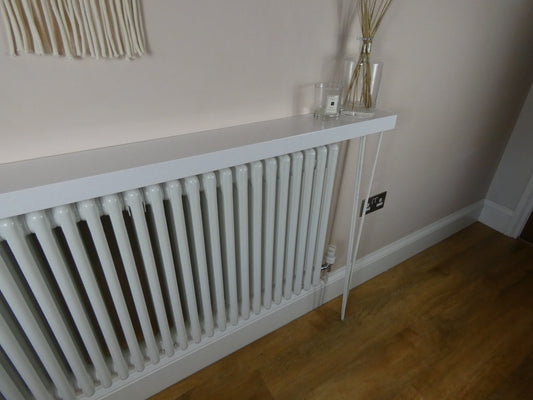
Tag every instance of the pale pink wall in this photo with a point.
(456, 72)
(211, 64)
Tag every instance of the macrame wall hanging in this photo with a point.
(74, 28)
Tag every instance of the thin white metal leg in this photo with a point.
(352, 252)
(353, 223)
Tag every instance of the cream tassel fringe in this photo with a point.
(74, 28)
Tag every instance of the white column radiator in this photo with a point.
(95, 290)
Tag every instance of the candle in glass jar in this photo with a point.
(327, 99)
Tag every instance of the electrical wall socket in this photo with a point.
(374, 203)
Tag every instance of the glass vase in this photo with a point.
(362, 78)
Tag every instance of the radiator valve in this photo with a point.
(330, 258)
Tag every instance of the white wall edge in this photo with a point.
(523, 211)
(196, 357)
(496, 216)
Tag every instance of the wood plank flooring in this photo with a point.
(453, 322)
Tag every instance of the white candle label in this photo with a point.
(331, 104)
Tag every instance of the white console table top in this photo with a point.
(46, 182)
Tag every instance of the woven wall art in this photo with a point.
(74, 28)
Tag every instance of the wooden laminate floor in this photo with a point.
(453, 322)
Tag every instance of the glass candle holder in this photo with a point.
(327, 101)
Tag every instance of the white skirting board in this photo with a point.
(505, 220)
(497, 217)
(196, 357)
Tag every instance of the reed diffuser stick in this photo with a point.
(371, 13)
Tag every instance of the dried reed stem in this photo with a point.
(371, 13)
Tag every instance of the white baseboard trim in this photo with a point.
(169, 371)
(497, 217)
(523, 211)
(391, 255)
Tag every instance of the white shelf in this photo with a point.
(42, 183)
